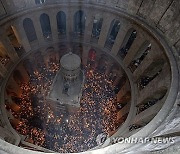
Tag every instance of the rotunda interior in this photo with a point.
(65, 128)
(89, 76)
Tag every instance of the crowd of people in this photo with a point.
(64, 131)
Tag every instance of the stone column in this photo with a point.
(147, 61)
(21, 35)
(8, 46)
(123, 111)
(123, 91)
(148, 114)
(13, 106)
(161, 81)
(37, 26)
(139, 40)
(14, 87)
(89, 25)
(14, 121)
(24, 73)
(108, 69)
(70, 24)
(118, 78)
(107, 19)
(85, 55)
(120, 37)
(53, 22)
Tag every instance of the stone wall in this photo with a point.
(163, 15)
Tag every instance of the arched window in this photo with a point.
(29, 30)
(45, 26)
(112, 34)
(40, 1)
(97, 25)
(150, 73)
(79, 22)
(11, 32)
(152, 100)
(128, 41)
(140, 55)
(61, 23)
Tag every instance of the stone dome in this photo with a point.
(70, 61)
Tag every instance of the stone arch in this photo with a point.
(29, 29)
